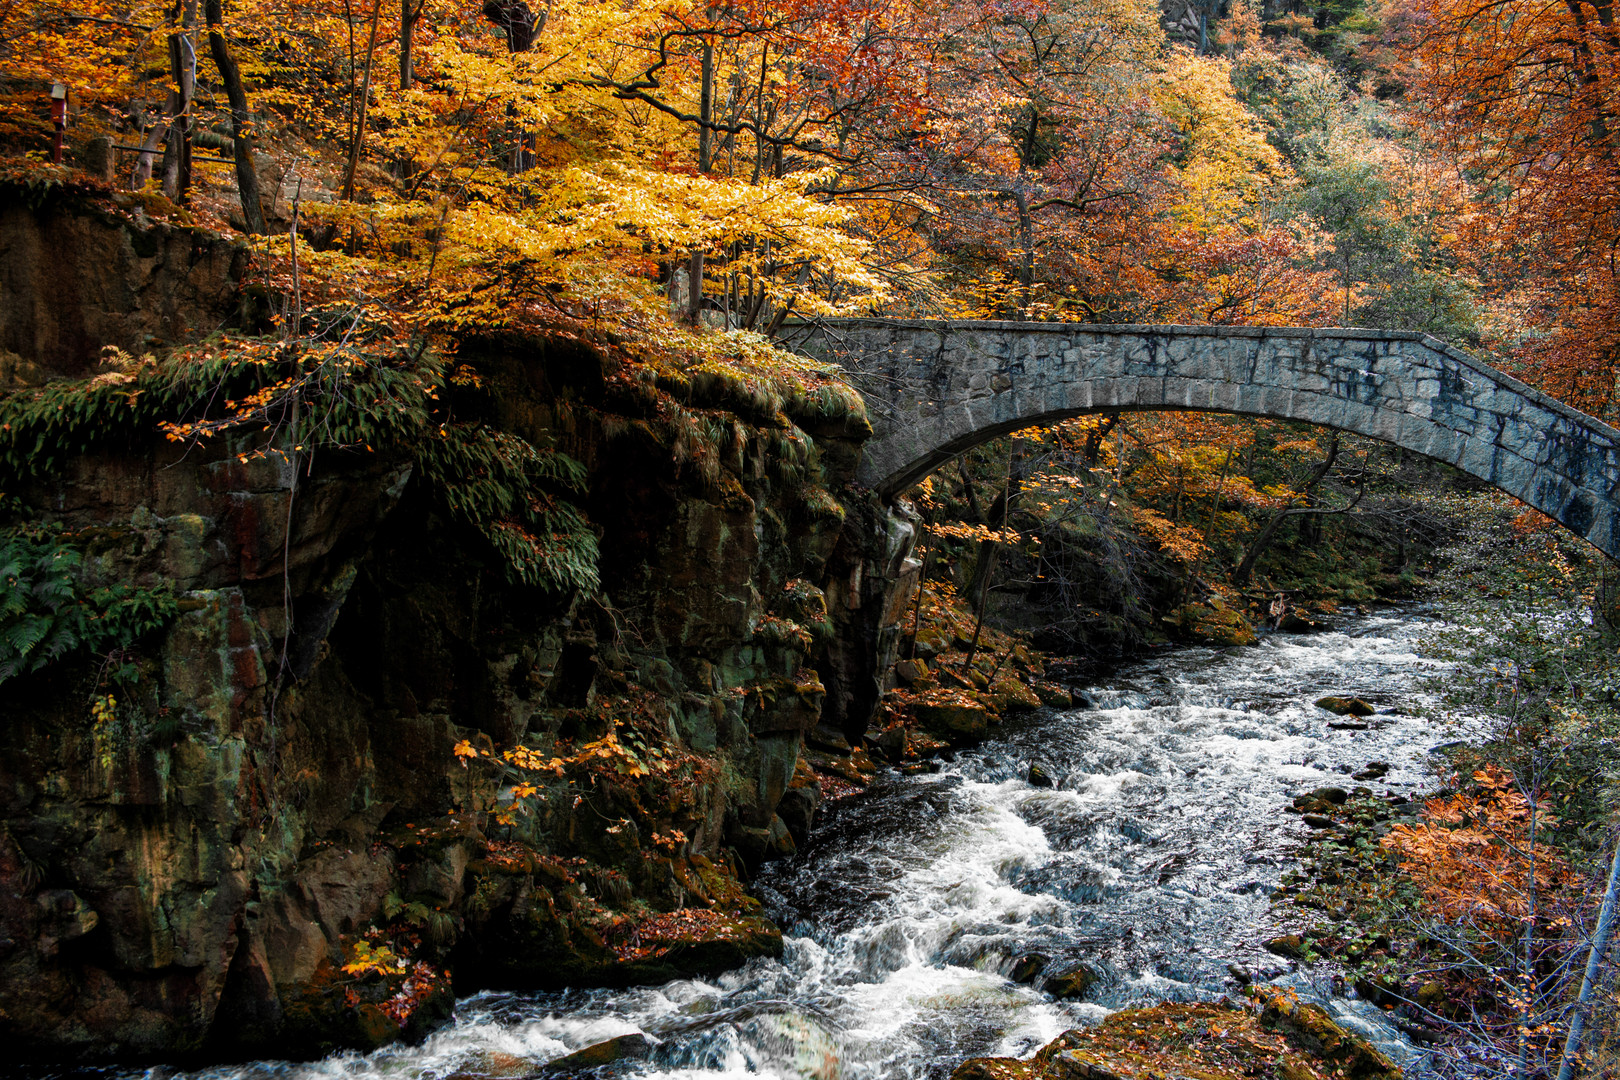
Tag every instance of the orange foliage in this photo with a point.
(1476, 860)
(1523, 96)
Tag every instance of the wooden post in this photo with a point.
(58, 119)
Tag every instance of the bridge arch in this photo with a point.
(937, 389)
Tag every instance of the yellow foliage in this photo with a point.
(1226, 160)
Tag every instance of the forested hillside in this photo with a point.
(396, 424)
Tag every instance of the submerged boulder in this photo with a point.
(632, 1047)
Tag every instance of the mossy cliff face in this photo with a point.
(268, 843)
(78, 275)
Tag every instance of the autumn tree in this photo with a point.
(1521, 96)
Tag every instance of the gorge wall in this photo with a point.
(296, 831)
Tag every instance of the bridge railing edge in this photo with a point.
(1355, 332)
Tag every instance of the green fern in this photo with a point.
(497, 483)
(48, 610)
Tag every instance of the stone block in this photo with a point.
(1400, 388)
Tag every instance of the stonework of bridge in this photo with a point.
(936, 389)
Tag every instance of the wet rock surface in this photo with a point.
(280, 853)
(1222, 1041)
(924, 913)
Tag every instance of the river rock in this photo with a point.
(1078, 1065)
(1345, 706)
(958, 719)
(907, 672)
(1009, 694)
(633, 1047)
(1042, 775)
(1025, 968)
(1240, 973)
(893, 743)
(1297, 622)
(1375, 770)
(1380, 989)
(1054, 695)
(1335, 795)
(1310, 1028)
(798, 810)
(1071, 982)
(1317, 821)
(825, 738)
(1229, 1042)
(1291, 946)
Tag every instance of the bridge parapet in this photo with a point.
(936, 389)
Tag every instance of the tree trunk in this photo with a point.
(984, 567)
(154, 137)
(358, 142)
(1594, 965)
(706, 109)
(1240, 577)
(408, 14)
(1094, 440)
(183, 70)
(247, 178)
(986, 563)
(694, 309)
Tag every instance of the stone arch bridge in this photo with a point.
(936, 389)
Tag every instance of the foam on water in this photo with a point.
(1151, 863)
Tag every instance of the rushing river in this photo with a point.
(1152, 862)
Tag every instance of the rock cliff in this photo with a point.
(298, 824)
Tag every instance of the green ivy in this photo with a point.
(48, 610)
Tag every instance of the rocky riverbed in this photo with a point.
(934, 918)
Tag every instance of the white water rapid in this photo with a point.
(1152, 863)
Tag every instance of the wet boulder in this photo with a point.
(1042, 775)
(797, 810)
(955, 717)
(1345, 706)
(1291, 946)
(1026, 967)
(1011, 695)
(1311, 1029)
(1054, 695)
(893, 743)
(632, 1047)
(1071, 982)
(1298, 622)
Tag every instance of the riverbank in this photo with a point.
(914, 903)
